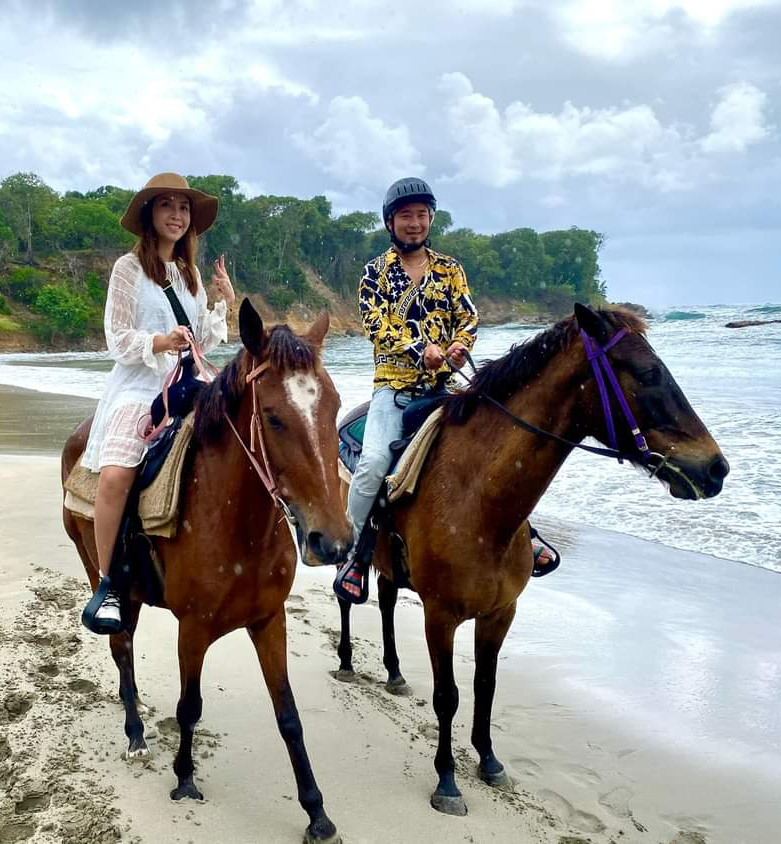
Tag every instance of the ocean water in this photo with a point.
(732, 378)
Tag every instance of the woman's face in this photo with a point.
(171, 216)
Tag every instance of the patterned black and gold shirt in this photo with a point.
(402, 318)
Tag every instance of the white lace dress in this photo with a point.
(137, 310)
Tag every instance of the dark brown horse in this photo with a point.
(465, 530)
(234, 565)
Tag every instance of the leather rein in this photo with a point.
(262, 466)
(605, 376)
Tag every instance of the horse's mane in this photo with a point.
(502, 377)
(284, 350)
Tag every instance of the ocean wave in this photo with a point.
(674, 316)
(765, 309)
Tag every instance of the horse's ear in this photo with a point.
(592, 323)
(251, 329)
(319, 329)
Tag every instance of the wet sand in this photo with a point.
(678, 744)
(38, 423)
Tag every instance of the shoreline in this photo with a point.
(583, 766)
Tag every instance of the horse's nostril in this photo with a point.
(315, 542)
(719, 469)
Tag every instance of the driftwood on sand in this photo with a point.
(744, 323)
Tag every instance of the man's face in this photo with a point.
(411, 223)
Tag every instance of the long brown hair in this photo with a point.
(185, 250)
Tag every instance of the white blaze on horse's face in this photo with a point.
(303, 392)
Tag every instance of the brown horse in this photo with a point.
(234, 565)
(465, 531)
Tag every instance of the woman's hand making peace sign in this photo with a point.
(222, 282)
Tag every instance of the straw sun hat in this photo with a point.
(203, 207)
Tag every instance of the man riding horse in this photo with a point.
(417, 310)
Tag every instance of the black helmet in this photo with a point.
(405, 191)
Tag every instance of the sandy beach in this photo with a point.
(637, 701)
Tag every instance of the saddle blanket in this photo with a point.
(158, 506)
(405, 476)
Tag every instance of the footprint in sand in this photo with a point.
(297, 611)
(86, 686)
(429, 730)
(34, 801)
(569, 814)
(292, 598)
(582, 775)
(16, 705)
(525, 767)
(49, 669)
(617, 801)
(13, 832)
(689, 838)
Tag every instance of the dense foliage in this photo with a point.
(268, 241)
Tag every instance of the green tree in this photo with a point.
(23, 284)
(64, 313)
(82, 223)
(26, 203)
(573, 260)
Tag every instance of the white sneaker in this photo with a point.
(109, 609)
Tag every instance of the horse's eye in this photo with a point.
(650, 377)
(274, 422)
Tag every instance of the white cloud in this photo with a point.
(624, 145)
(738, 120)
(356, 148)
(623, 29)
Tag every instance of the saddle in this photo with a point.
(152, 510)
(420, 422)
(420, 425)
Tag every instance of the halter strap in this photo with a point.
(262, 467)
(597, 356)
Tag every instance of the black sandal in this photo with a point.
(356, 574)
(541, 569)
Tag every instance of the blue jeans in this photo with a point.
(383, 426)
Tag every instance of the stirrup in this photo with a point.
(101, 626)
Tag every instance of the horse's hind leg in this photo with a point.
(345, 649)
(270, 640)
(489, 634)
(440, 631)
(193, 643)
(122, 651)
(387, 594)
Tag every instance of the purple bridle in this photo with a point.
(600, 363)
(597, 356)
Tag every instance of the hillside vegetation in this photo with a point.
(56, 252)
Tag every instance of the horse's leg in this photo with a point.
(440, 630)
(270, 640)
(121, 644)
(193, 643)
(122, 651)
(345, 649)
(387, 594)
(490, 631)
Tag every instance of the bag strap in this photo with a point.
(176, 307)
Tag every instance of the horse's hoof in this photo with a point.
(344, 676)
(497, 779)
(186, 788)
(322, 831)
(137, 752)
(448, 805)
(398, 686)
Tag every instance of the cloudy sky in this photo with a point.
(655, 122)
